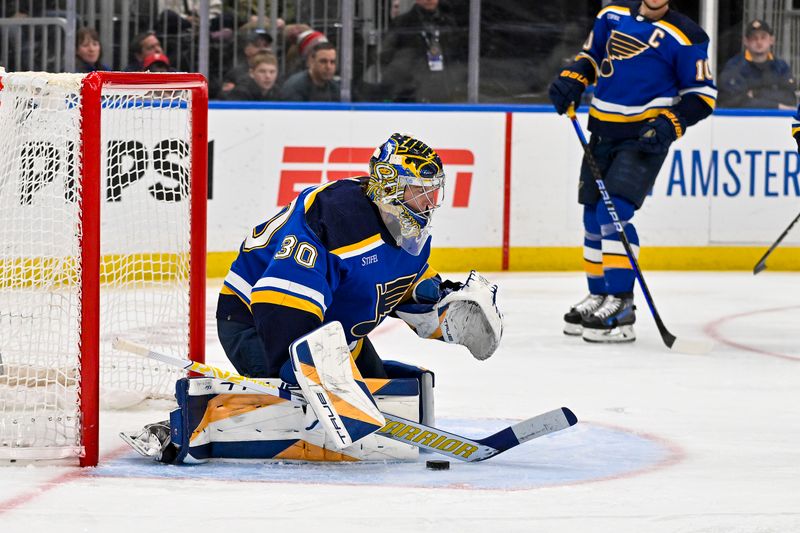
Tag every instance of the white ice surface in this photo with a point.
(666, 442)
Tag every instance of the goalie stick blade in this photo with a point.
(530, 429)
(469, 450)
(544, 424)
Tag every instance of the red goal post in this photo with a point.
(103, 190)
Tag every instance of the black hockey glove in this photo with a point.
(448, 286)
(658, 133)
(796, 135)
(567, 89)
(432, 290)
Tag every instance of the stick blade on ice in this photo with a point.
(692, 346)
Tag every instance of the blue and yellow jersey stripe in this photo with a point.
(278, 291)
(705, 93)
(358, 248)
(673, 30)
(309, 200)
(286, 300)
(619, 10)
(612, 112)
(235, 284)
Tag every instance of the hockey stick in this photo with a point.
(672, 342)
(396, 428)
(762, 263)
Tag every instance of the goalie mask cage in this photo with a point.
(103, 183)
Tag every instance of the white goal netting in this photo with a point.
(144, 221)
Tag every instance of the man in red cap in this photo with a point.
(144, 45)
(157, 63)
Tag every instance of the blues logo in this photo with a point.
(620, 46)
(388, 296)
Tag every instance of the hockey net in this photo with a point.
(102, 234)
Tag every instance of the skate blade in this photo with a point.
(574, 330)
(618, 334)
(136, 444)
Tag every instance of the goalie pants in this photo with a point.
(246, 352)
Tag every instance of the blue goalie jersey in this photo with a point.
(326, 256)
(643, 67)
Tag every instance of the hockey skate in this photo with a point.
(154, 441)
(611, 322)
(574, 318)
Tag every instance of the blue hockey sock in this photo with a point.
(617, 270)
(592, 251)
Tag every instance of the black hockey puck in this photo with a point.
(437, 465)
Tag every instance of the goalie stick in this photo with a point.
(397, 428)
(672, 342)
(762, 263)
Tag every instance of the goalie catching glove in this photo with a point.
(466, 314)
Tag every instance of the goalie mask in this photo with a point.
(406, 182)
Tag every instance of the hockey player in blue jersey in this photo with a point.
(650, 67)
(312, 282)
(353, 251)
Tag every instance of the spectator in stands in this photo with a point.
(88, 51)
(143, 45)
(316, 83)
(756, 78)
(260, 85)
(423, 56)
(255, 42)
(300, 39)
(179, 16)
(157, 63)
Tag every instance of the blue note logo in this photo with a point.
(620, 46)
(388, 296)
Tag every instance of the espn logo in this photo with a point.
(303, 166)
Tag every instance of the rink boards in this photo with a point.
(725, 192)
